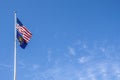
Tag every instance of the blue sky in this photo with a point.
(72, 40)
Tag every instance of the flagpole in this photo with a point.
(15, 19)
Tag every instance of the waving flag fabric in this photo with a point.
(23, 34)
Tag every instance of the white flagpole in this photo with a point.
(15, 19)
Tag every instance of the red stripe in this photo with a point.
(27, 36)
(23, 29)
(26, 39)
(25, 32)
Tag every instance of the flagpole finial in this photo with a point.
(15, 12)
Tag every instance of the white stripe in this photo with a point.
(26, 38)
(23, 31)
(26, 34)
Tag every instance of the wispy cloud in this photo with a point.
(35, 66)
(91, 73)
(89, 63)
(49, 55)
(21, 64)
(71, 51)
(82, 59)
(7, 66)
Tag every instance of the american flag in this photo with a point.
(25, 33)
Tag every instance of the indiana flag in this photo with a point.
(23, 34)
